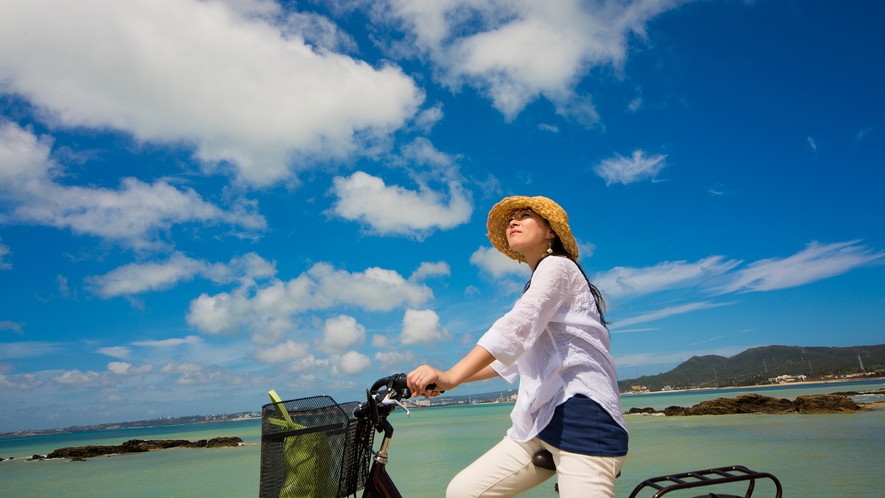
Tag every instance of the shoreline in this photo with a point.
(801, 383)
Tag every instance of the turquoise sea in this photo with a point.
(812, 455)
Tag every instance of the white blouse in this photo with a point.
(554, 342)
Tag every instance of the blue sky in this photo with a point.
(202, 201)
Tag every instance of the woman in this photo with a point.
(555, 341)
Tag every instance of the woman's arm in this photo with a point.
(473, 367)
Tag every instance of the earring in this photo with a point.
(549, 247)
(518, 258)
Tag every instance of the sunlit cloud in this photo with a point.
(134, 215)
(496, 264)
(341, 333)
(115, 352)
(351, 363)
(516, 52)
(190, 75)
(266, 310)
(626, 170)
(286, 351)
(136, 278)
(422, 327)
(394, 210)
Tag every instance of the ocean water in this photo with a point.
(812, 455)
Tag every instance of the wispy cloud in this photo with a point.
(626, 282)
(816, 262)
(813, 146)
(134, 215)
(136, 278)
(4, 253)
(165, 343)
(864, 133)
(625, 170)
(515, 52)
(666, 312)
(13, 326)
(29, 349)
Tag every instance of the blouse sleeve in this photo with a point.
(516, 332)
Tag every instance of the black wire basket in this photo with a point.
(313, 448)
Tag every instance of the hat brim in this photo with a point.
(499, 220)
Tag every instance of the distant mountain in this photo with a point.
(757, 365)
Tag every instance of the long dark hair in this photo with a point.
(559, 250)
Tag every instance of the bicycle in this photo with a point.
(316, 448)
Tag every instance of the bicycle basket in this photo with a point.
(313, 448)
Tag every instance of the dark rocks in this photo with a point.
(79, 453)
(825, 403)
(755, 403)
(36, 457)
(635, 410)
(223, 442)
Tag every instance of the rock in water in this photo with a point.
(79, 453)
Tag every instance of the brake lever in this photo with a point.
(393, 401)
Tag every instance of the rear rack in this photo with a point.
(709, 477)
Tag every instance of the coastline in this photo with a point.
(785, 384)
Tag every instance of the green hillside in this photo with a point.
(757, 365)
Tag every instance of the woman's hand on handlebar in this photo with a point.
(420, 378)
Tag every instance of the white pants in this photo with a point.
(507, 470)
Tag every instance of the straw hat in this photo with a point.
(499, 220)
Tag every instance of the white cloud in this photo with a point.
(816, 262)
(285, 351)
(212, 374)
(13, 326)
(422, 327)
(77, 378)
(124, 368)
(341, 333)
(115, 352)
(165, 343)
(440, 268)
(395, 359)
(664, 313)
(24, 381)
(620, 169)
(426, 119)
(4, 252)
(547, 127)
(266, 310)
(135, 278)
(135, 215)
(182, 367)
(308, 363)
(239, 85)
(492, 261)
(351, 363)
(380, 341)
(29, 349)
(625, 281)
(517, 51)
(394, 210)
